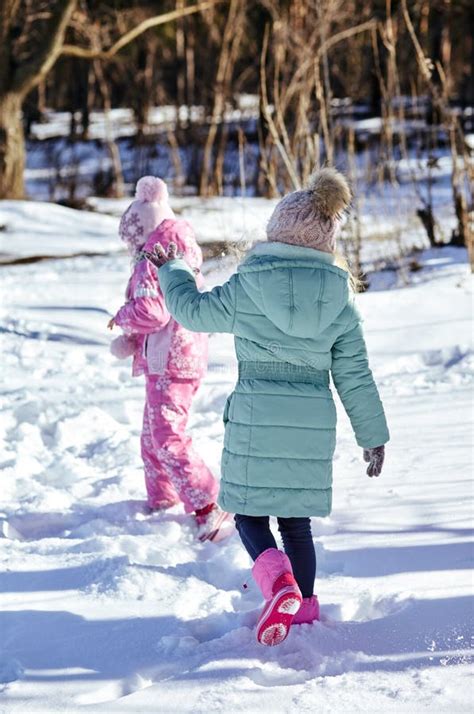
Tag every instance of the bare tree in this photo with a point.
(233, 31)
(24, 65)
(464, 235)
(17, 80)
(295, 88)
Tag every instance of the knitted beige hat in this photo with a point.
(311, 217)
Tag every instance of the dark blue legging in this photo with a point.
(297, 539)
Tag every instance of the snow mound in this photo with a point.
(107, 607)
(31, 228)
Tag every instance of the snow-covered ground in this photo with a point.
(121, 121)
(61, 169)
(31, 229)
(107, 609)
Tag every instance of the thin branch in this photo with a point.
(280, 138)
(424, 63)
(268, 117)
(307, 65)
(91, 53)
(440, 98)
(31, 72)
(344, 35)
(8, 10)
(234, 28)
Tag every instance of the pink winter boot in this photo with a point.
(274, 576)
(213, 523)
(308, 612)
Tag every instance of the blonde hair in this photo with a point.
(356, 284)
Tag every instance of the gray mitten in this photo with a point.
(375, 458)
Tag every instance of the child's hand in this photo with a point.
(375, 458)
(111, 323)
(159, 257)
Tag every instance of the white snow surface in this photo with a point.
(120, 122)
(32, 228)
(214, 219)
(104, 608)
(388, 223)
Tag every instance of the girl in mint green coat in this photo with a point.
(295, 323)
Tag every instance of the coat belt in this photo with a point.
(283, 372)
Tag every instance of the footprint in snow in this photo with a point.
(115, 690)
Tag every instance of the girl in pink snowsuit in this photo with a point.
(172, 359)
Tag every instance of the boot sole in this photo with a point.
(275, 622)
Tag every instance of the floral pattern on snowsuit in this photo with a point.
(173, 361)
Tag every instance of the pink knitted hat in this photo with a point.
(312, 217)
(150, 208)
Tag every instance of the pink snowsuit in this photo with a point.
(173, 361)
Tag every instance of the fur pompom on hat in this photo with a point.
(151, 189)
(311, 217)
(150, 208)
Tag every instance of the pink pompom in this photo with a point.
(151, 189)
(123, 346)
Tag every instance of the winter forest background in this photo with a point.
(233, 103)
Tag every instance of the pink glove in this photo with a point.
(123, 346)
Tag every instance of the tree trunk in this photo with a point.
(12, 147)
(233, 32)
(18, 76)
(118, 188)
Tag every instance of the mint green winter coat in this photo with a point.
(294, 320)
